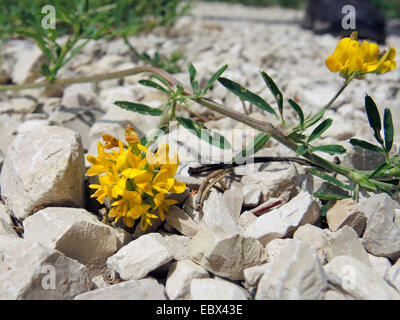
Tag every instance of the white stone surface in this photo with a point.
(31, 271)
(75, 232)
(144, 289)
(226, 255)
(216, 289)
(357, 280)
(141, 256)
(180, 275)
(284, 221)
(53, 176)
(296, 274)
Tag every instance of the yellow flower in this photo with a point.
(126, 207)
(131, 135)
(162, 204)
(346, 58)
(134, 179)
(352, 59)
(100, 163)
(160, 158)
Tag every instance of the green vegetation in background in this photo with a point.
(82, 21)
(390, 8)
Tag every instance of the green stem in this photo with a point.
(164, 117)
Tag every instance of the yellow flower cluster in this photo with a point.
(351, 58)
(134, 179)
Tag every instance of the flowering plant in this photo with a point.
(134, 179)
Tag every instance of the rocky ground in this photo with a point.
(228, 250)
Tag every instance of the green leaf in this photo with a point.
(331, 180)
(213, 138)
(139, 108)
(193, 82)
(214, 78)
(366, 145)
(383, 167)
(302, 149)
(374, 118)
(315, 119)
(161, 79)
(324, 209)
(245, 94)
(152, 84)
(297, 137)
(331, 149)
(44, 70)
(252, 148)
(299, 111)
(318, 131)
(364, 182)
(275, 91)
(389, 130)
(332, 196)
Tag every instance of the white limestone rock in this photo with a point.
(381, 265)
(6, 230)
(345, 242)
(144, 289)
(393, 275)
(180, 275)
(31, 271)
(284, 221)
(313, 236)
(53, 176)
(216, 289)
(296, 274)
(141, 256)
(357, 280)
(382, 235)
(346, 212)
(179, 245)
(76, 233)
(226, 255)
(216, 215)
(182, 221)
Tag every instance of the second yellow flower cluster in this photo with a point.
(134, 179)
(351, 58)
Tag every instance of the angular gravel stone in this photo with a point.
(30, 271)
(313, 236)
(76, 233)
(180, 275)
(296, 274)
(179, 245)
(182, 222)
(345, 242)
(6, 230)
(226, 255)
(346, 212)
(284, 221)
(274, 247)
(217, 215)
(216, 289)
(141, 256)
(382, 235)
(252, 194)
(393, 275)
(53, 176)
(358, 281)
(381, 265)
(144, 289)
